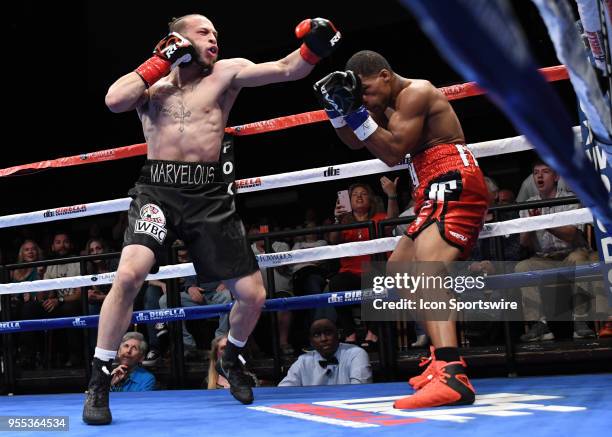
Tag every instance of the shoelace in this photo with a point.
(425, 361)
(240, 376)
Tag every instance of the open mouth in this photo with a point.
(212, 51)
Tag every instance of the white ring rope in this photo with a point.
(576, 216)
(361, 168)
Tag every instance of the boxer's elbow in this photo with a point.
(115, 102)
(391, 159)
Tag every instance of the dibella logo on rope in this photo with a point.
(66, 210)
(100, 154)
(152, 222)
(9, 325)
(170, 313)
(248, 183)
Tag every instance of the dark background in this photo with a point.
(63, 61)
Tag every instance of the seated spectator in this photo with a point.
(505, 197)
(483, 261)
(129, 375)
(282, 285)
(215, 380)
(349, 276)
(97, 293)
(554, 247)
(331, 362)
(63, 303)
(528, 189)
(29, 342)
(485, 251)
(192, 293)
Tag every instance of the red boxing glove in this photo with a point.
(320, 38)
(169, 52)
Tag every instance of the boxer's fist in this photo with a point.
(175, 49)
(339, 91)
(320, 38)
(171, 51)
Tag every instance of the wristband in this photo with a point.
(362, 124)
(335, 118)
(308, 55)
(153, 69)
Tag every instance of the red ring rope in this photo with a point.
(453, 92)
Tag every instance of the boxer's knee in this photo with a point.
(127, 282)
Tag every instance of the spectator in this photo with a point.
(214, 380)
(484, 253)
(528, 188)
(97, 293)
(505, 197)
(349, 276)
(154, 290)
(26, 305)
(129, 375)
(64, 302)
(554, 247)
(193, 293)
(282, 285)
(483, 261)
(331, 362)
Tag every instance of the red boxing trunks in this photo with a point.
(449, 190)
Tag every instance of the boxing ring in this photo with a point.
(577, 405)
(573, 404)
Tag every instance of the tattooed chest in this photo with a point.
(175, 110)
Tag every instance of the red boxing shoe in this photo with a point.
(419, 381)
(448, 386)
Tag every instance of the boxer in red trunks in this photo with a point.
(371, 106)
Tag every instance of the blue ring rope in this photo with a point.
(340, 298)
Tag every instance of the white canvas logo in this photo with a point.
(370, 411)
(494, 404)
(152, 222)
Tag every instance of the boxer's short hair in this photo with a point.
(367, 63)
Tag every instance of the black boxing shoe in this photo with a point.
(231, 366)
(96, 410)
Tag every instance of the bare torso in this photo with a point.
(440, 124)
(186, 122)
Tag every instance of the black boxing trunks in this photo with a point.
(448, 188)
(192, 202)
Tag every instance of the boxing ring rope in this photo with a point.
(453, 92)
(483, 149)
(338, 298)
(277, 259)
(301, 177)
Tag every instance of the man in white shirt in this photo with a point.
(554, 247)
(331, 362)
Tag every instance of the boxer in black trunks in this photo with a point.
(183, 96)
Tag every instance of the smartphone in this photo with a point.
(345, 200)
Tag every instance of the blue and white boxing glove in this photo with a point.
(340, 94)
